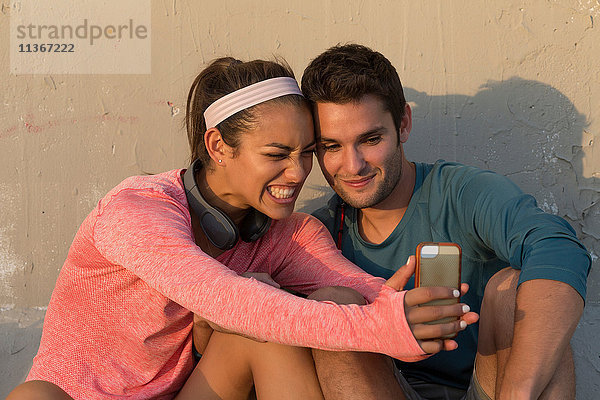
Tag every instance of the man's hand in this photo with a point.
(429, 336)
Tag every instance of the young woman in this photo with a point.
(159, 249)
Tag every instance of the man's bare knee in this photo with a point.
(502, 286)
(497, 312)
(339, 295)
(355, 375)
(38, 390)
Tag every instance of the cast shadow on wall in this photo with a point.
(524, 129)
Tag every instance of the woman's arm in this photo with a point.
(149, 233)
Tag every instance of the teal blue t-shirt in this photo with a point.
(496, 225)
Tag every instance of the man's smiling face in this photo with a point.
(359, 150)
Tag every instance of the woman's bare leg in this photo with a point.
(231, 364)
(284, 372)
(38, 390)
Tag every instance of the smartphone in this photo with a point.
(438, 264)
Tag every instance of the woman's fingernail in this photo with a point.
(466, 308)
(456, 293)
(463, 324)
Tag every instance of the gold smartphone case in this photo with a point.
(439, 264)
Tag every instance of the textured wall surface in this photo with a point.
(512, 86)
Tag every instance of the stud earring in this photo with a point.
(220, 161)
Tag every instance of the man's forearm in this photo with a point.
(546, 315)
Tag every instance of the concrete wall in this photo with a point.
(513, 86)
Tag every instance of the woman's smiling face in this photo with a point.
(272, 161)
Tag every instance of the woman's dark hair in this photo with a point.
(221, 77)
(346, 73)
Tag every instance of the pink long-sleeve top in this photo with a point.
(119, 323)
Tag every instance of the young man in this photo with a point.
(526, 269)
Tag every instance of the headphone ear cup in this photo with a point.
(254, 225)
(216, 225)
(218, 228)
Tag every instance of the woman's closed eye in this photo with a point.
(277, 156)
(281, 156)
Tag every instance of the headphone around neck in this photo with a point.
(217, 226)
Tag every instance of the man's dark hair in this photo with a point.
(346, 73)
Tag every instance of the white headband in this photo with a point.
(247, 97)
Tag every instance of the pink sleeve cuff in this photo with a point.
(407, 347)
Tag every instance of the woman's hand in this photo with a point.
(429, 337)
(262, 277)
